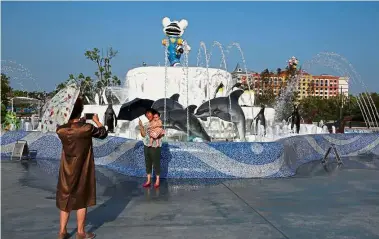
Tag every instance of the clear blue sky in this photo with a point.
(50, 38)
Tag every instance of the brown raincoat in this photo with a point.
(76, 187)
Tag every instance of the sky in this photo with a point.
(48, 39)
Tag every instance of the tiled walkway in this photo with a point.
(344, 204)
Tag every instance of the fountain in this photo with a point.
(344, 68)
(195, 86)
(20, 75)
(272, 150)
(21, 78)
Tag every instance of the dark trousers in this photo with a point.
(152, 159)
(110, 125)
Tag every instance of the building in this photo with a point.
(324, 85)
(343, 83)
(241, 76)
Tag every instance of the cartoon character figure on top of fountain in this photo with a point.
(293, 62)
(176, 46)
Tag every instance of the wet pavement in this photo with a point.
(343, 203)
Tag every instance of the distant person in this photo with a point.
(152, 154)
(155, 130)
(295, 119)
(76, 189)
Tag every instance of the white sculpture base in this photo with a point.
(195, 87)
(149, 82)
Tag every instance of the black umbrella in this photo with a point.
(134, 109)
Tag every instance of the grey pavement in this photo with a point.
(343, 203)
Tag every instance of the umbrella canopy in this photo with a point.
(59, 108)
(134, 109)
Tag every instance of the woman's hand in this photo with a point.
(95, 119)
(141, 128)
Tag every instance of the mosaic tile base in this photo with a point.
(205, 160)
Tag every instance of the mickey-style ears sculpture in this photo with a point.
(183, 24)
(166, 21)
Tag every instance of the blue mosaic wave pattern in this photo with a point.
(204, 160)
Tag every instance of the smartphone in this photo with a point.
(89, 116)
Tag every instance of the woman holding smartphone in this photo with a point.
(76, 189)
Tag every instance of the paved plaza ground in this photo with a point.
(343, 203)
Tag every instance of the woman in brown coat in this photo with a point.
(76, 189)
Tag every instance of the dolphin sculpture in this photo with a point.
(219, 87)
(236, 86)
(177, 119)
(171, 104)
(225, 108)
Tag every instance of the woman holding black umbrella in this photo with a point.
(152, 154)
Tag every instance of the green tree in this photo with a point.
(375, 99)
(86, 84)
(104, 75)
(315, 108)
(104, 72)
(60, 86)
(5, 89)
(19, 93)
(266, 95)
(3, 112)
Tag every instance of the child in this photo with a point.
(155, 130)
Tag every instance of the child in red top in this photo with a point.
(155, 130)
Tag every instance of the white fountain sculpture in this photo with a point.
(195, 85)
(325, 128)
